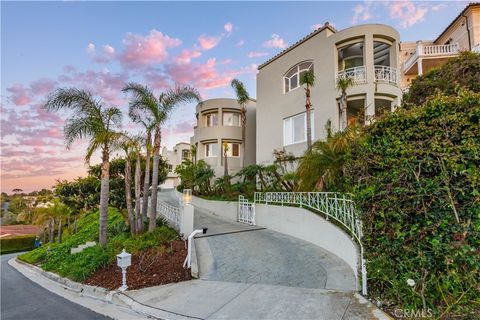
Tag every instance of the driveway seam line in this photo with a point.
(348, 306)
(233, 298)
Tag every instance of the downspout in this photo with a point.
(468, 33)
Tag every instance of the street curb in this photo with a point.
(114, 297)
(377, 312)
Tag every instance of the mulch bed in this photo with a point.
(151, 267)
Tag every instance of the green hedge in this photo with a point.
(18, 243)
(417, 180)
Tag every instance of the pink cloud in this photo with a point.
(407, 12)
(187, 55)
(107, 54)
(208, 42)
(42, 86)
(156, 79)
(228, 27)
(19, 95)
(275, 42)
(362, 12)
(256, 54)
(183, 127)
(240, 43)
(143, 50)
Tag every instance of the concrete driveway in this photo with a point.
(236, 252)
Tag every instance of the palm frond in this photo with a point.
(343, 83)
(307, 78)
(240, 92)
(81, 101)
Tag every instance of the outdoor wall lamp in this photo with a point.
(124, 260)
(187, 196)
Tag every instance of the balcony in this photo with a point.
(358, 74)
(386, 75)
(427, 57)
(383, 74)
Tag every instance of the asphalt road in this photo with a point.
(24, 299)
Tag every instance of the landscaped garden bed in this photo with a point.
(151, 267)
(157, 256)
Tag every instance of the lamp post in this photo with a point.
(124, 260)
(187, 196)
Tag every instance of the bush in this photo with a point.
(417, 176)
(18, 243)
(56, 257)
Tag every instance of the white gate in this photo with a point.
(246, 211)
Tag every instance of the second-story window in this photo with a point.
(211, 150)
(292, 77)
(211, 119)
(185, 154)
(231, 119)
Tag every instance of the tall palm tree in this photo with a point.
(242, 99)
(193, 152)
(308, 78)
(157, 110)
(343, 83)
(90, 119)
(225, 164)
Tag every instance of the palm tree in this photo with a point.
(343, 83)
(242, 99)
(131, 147)
(156, 111)
(90, 119)
(193, 152)
(308, 78)
(225, 152)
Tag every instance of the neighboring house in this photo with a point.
(218, 122)
(181, 151)
(368, 53)
(462, 34)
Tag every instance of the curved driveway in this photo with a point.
(237, 252)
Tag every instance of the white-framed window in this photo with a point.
(295, 128)
(231, 119)
(211, 119)
(211, 149)
(233, 150)
(291, 80)
(185, 154)
(170, 168)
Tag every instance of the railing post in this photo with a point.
(186, 226)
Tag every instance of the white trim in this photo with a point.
(304, 114)
(206, 149)
(297, 74)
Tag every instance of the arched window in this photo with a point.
(291, 79)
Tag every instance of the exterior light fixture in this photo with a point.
(187, 196)
(124, 260)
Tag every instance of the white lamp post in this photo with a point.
(124, 260)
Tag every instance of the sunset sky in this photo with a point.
(100, 46)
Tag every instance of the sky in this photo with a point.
(99, 46)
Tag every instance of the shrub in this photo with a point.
(18, 243)
(416, 177)
(56, 257)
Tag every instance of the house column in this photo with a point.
(220, 154)
(370, 68)
(420, 54)
(369, 107)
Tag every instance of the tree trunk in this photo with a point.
(244, 133)
(104, 193)
(225, 164)
(138, 214)
(60, 230)
(308, 105)
(343, 106)
(51, 228)
(156, 160)
(128, 194)
(146, 184)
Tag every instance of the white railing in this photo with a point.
(358, 74)
(431, 51)
(169, 212)
(438, 50)
(386, 74)
(246, 211)
(337, 206)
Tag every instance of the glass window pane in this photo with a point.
(235, 149)
(287, 131)
(299, 128)
(292, 72)
(287, 84)
(214, 149)
(227, 119)
(305, 65)
(294, 82)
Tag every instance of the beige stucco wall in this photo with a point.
(458, 31)
(220, 133)
(273, 105)
(174, 157)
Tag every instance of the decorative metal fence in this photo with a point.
(337, 206)
(358, 74)
(169, 212)
(386, 74)
(246, 211)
